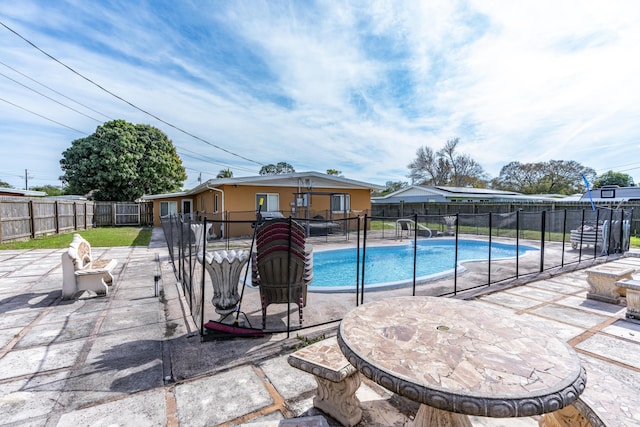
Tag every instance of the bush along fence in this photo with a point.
(368, 258)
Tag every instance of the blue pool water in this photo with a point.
(392, 266)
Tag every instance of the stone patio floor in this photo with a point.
(136, 359)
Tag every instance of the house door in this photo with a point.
(186, 207)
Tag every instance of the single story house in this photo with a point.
(14, 192)
(304, 195)
(417, 198)
(438, 193)
(612, 194)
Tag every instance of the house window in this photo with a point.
(608, 194)
(215, 203)
(340, 202)
(168, 208)
(271, 202)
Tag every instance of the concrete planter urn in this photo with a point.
(199, 237)
(224, 268)
(450, 221)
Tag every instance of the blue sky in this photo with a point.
(353, 86)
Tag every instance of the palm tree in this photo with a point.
(225, 173)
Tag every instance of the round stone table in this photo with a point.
(460, 358)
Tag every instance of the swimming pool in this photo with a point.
(392, 266)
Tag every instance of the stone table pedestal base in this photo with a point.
(337, 380)
(602, 283)
(432, 417)
(339, 399)
(632, 288)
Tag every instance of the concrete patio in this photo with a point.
(136, 359)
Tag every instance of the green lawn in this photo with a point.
(97, 237)
(141, 236)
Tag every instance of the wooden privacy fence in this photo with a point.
(123, 213)
(24, 218)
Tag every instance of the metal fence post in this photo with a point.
(32, 219)
(517, 244)
(489, 254)
(455, 258)
(564, 236)
(204, 259)
(581, 234)
(364, 256)
(543, 228)
(595, 243)
(358, 263)
(415, 251)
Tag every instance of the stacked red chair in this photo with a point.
(282, 265)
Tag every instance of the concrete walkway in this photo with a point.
(135, 359)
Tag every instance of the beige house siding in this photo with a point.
(237, 202)
(156, 206)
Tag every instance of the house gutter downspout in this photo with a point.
(222, 215)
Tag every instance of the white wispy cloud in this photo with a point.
(357, 86)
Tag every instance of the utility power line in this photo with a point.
(207, 160)
(41, 116)
(55, 91)
(49, 98)
(125, 101)
(87, 135)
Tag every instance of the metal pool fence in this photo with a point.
(564, 239)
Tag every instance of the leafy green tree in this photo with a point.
(225, 173)
(392, 186)
(334, 172)
(269, 169)
(613, 178)
(552, 177)
(5, 185)
(280, 168)
(121, 162)
(446, 167)
(519, 177)
(50, 190)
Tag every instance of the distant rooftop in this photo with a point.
(612, 194)
(4, 191)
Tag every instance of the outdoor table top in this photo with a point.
(461, 357)
(608, 271)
